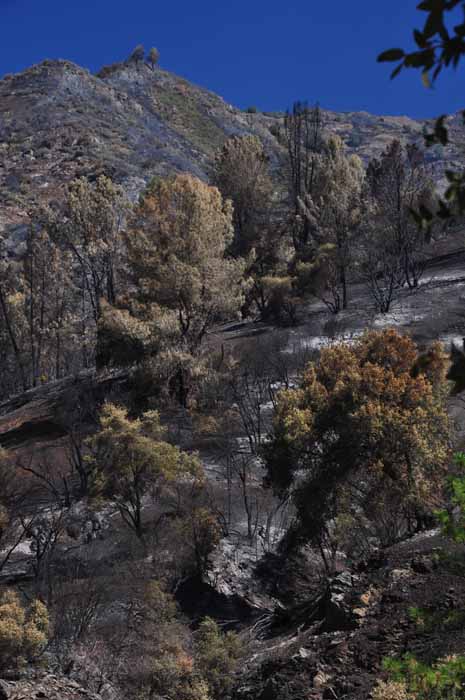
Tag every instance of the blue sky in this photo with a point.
(266, 53)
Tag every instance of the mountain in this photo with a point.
(58, 121)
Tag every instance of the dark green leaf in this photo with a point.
(420, 39)
(432, 25)
(460, 29)
(391, 55)
(420, 59)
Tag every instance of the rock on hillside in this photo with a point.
(335, 649)
(49, 687)
(47, 412)
(57, 121)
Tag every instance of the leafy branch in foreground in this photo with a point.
(438, 46)
(453, 523)
(443, 679)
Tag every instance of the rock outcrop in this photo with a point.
(48, 687)
(408, 600)
(46, 413)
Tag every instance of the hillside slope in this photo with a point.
(58, 121)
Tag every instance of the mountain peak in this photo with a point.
(130, 121)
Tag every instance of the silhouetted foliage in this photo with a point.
(438, 46)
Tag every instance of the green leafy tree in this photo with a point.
(153, 57)
(453, 520)
(216, 656)
(23, 629)
(133, 461)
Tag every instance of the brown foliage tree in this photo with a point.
(398, 183)
(23, 629)
(184, 282)
(153, 57)
(362, 426)
(90, 228)
(333, 214)
(303, 136)
(242, 175)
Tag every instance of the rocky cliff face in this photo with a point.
(58, 121)
(407, 599)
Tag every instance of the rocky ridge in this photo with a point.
(58, 121)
